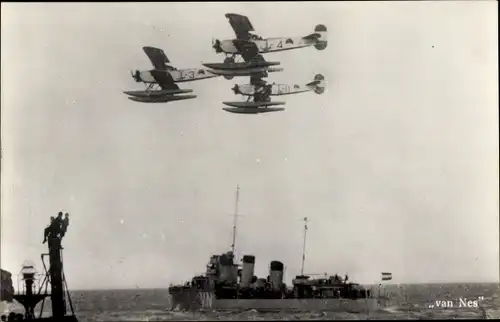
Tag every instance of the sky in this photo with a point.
(395, 165)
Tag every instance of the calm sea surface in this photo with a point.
(407, 302)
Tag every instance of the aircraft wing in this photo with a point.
(262, 90)
(248, 49)
(157, 57)
(257, 80)
(241, 25)
(256, 59)
(164, 79)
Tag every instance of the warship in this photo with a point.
(227, 285)
(34, 288)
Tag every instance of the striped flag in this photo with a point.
(386, 276)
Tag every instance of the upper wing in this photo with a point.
(157, 57)
(241, 25)
(164, 79)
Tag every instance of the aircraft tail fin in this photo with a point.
(319, 36)
(318, 84)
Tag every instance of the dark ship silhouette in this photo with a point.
(35, 289)
(227, 285)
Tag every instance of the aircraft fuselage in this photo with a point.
(276, 89)
(179, 75)
(270, 44)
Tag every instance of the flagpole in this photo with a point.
(304, 247)
(235, 218)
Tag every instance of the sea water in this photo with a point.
(423, 301)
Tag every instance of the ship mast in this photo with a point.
(304, 247)
(235, 218)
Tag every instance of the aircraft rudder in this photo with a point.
(322, 42)
(319, 77)
(320, 81)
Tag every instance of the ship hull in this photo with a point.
(69, 318)
(301, 305)
(192, 300)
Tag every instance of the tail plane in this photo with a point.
(318, 84)
(320, 36)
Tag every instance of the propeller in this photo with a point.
(236, 89)
(136, 76)
(216, 44)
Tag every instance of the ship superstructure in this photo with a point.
(226, 279)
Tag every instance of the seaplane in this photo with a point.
(261, 92)
(243, 29)
(161, 81)
(253, 64)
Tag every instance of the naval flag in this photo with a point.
(386, 276)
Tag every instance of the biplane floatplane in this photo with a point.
(243, 27)
(161, 81)
(257, 68)
(261, 93)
